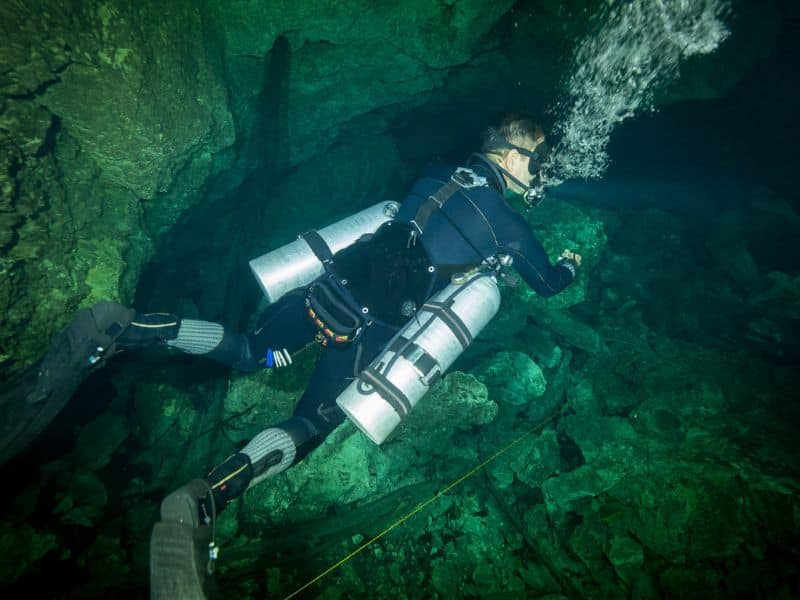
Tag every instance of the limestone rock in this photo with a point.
(459, 402)
(727, 244)
(252, 405)
(84, 501)
(25, 544)
(627, 556)
(513, 378)
(99, 440)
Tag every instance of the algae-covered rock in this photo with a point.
(83, 502)
(25, 544)
(348, 467)
(562, 225)
(776, 322)
(106, 559)
(627, 556)
(337, 472)
(531, 462)
(512, 377)
(339, 73)
(573, 331)
(558, 226)
(540, 346)
(99, 439)
(100, 109)
(179, 416)
(727, 244)
(458, 401)
(252, 405)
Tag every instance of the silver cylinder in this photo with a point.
(384, 393)
(295, 264)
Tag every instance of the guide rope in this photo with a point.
(430, 500)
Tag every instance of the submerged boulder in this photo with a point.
(513, 378)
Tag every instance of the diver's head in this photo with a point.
(519, 149)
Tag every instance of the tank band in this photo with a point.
(423, 363)
(388, 391)
(452, 320)
(318, 245)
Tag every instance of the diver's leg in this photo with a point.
(182, 543)
(181, 550)
(186, 514)
(192, 336)
(283, 329)
(316, 415)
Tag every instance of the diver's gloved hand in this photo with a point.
(150, 329)
(570, 260)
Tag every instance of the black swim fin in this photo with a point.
(34, 397)
(180, 563)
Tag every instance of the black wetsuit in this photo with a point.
(478, 223)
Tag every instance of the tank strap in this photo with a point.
(426, 366)
(388, 391)
(452, 320)
(318, 246)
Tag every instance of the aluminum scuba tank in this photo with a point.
(386, 391)
(297, 264)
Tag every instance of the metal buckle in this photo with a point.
(467, 178)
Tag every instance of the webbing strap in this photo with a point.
(318, 245)
(452, 320)
(388, 391)
(434, 202)
(423, 362)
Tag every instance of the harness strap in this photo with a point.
(461, 179)
(388, 391)
(434, 202)
(452, 320)
(318, 246)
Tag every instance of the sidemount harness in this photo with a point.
(391, 292)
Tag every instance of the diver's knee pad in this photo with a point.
(214, 341)
(276, 449)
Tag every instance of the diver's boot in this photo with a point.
(227, 481)
(150, 330)
(181, 550)
(201, 338)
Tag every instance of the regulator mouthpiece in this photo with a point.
(533, 196)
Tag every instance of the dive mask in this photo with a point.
(533, 192)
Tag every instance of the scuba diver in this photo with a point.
(454, 228)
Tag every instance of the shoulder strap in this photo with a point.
(434, 202)
(462, 178)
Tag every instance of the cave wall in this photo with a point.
(113, 117)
